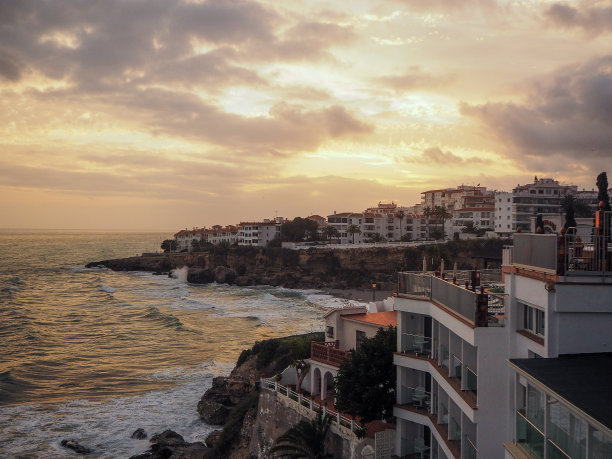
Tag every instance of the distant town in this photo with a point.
(451, 213)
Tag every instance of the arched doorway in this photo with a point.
(327, 387)
(315, 385)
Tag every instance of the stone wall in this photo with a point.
(276, 414)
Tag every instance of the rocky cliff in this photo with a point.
(313, 268)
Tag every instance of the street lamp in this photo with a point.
(373, 291)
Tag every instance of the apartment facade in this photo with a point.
(457, 395)
(503, 220)
(258, 233)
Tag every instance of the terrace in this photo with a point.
(561, 255)
(328, 353)
(473, 296)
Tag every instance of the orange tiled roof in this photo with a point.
(385, 318)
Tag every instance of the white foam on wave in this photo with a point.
(180, 274)
(331, 302)
(11, 288)
(106, 426)
(107, 289)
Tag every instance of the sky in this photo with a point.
(167, 114)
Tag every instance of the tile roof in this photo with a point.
(384, 319)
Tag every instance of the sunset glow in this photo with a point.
(171, 114)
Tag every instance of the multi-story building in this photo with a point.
(543, 196)
(504, 223)
(450, 368)
(184, 238)
(258, 233)
(457, 396)
(218, 234)
(391, 226)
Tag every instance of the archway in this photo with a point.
(327, 387)
(315, 382)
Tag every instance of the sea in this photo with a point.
(92, 355)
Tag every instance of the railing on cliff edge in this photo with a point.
(307, 402)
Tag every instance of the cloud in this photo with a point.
(414, 78)
(10, 67)
(436, 157)
(447, 5)
(593, 19)
(568, 112)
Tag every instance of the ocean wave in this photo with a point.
(15, 280)
(11, 288)
(107, 289)
(191, 303)
(167, 320)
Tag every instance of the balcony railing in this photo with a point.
(416, 396)
(327, 352)
(471, 452)
(416, 344)
(529, 435)
(454, 296)
(567, 255)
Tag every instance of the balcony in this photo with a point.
(328, 353)
(466, 302)
(568, 255)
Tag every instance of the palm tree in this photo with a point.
(428, 212)
(443, 214)
(330, 232)
(353, 229)
(401, 214)
(305, 440)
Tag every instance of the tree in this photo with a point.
(602, 186)
(330, 232)
(376, 237)
(298, 230)
(195, 245)
(365, 384)
(352, 230)
(568, 204)
(441, 213)
(428, 212)
(469, 228)
(401, 214)
(305, 440)
(169, 245)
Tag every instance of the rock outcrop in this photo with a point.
(314, 268)
(169, 444)
(75, 446)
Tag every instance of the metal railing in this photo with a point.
(416, 344)
(529, 435)
(471, 380)
(471, 452)
(302, 400)
(569, 254)
(454, 296)
(456, 368)
(416, 396)
(327, 352)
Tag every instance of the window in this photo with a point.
(330, 331)
(534, 320)
(359, 336)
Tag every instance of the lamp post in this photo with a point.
(373, 291)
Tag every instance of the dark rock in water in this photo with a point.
(225, 275)
(169, 444)
(213, 438)
(168, 438)
(215, 404)
(212, 412)
(200, 276)
(75, 446)
(139, 434)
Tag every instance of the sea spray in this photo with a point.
(180, 274)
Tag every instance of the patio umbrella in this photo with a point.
(442, 268)
(455, 272)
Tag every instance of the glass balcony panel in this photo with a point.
(566, 431)
(416, 344)
(469, 446)
(444, 356)
(601, 445)
(529, 436)
(554, 452)
(454, 429)
(456, 368)
(471, 379)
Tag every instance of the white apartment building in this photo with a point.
(388, 225)
(184, 238)
(218, 234)
(457, 395)
(503, 221)
(258, 233)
